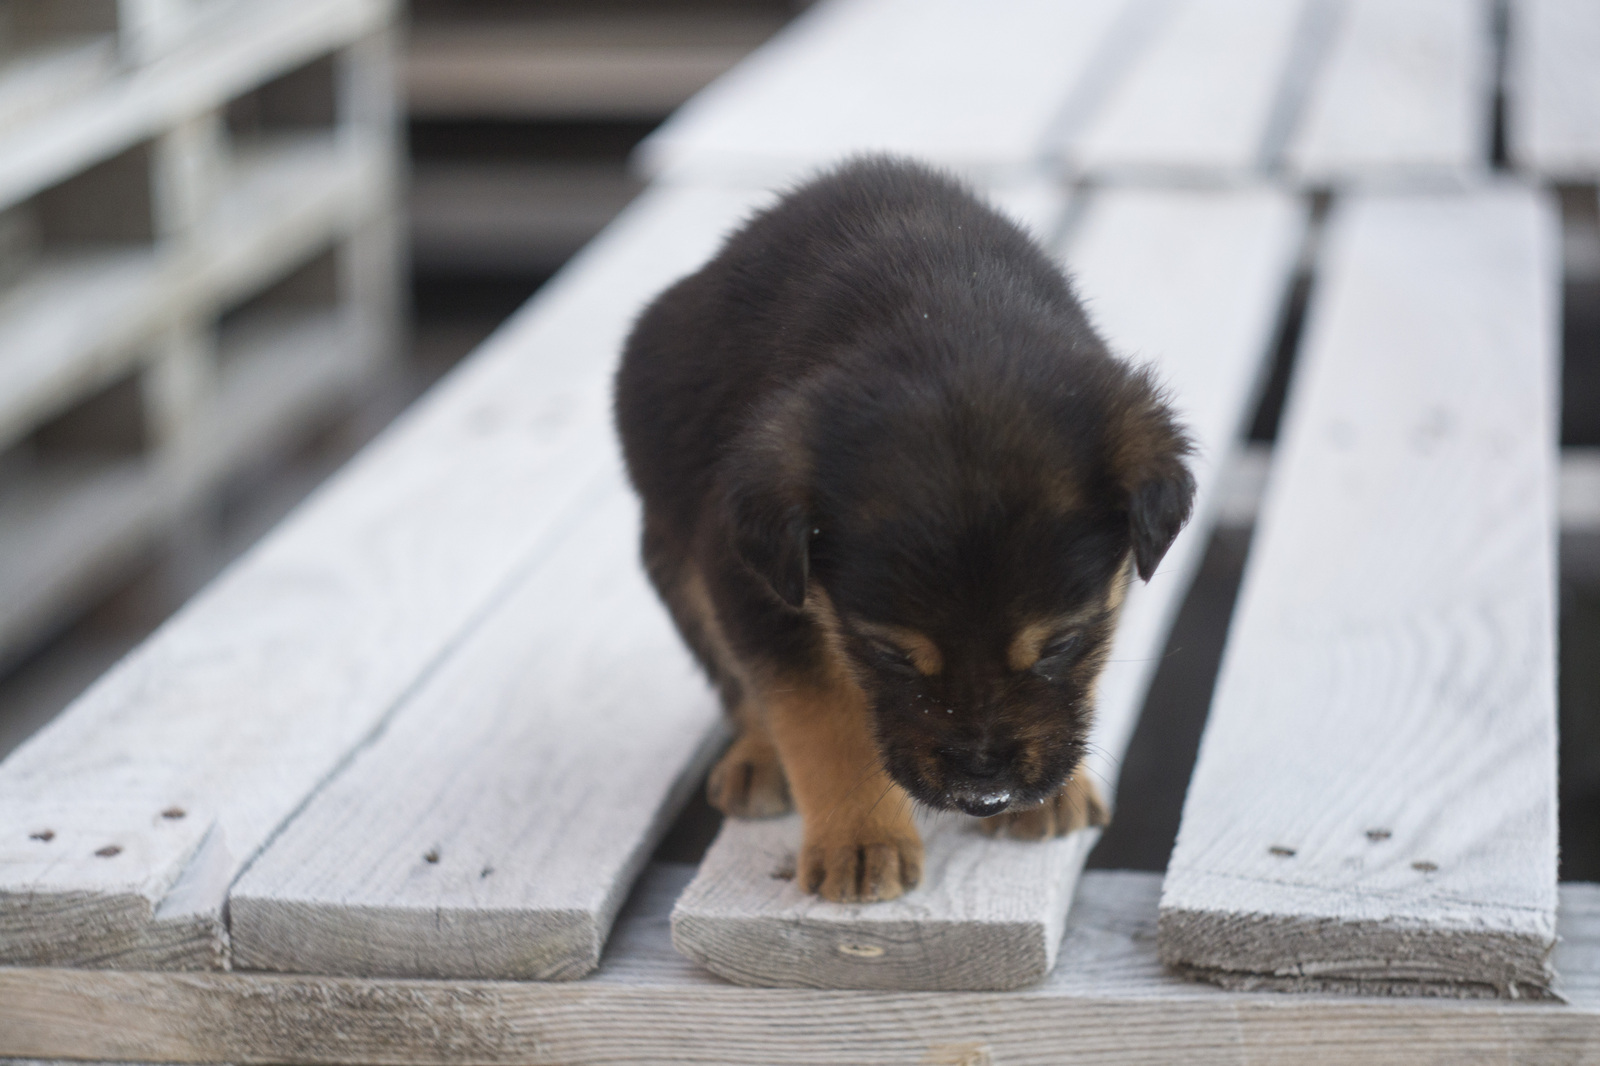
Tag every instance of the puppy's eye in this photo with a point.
(1059, 648)
(892, 657)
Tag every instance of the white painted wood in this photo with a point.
(1374, 802)
(1403, 96)
(1196, 102)
(495, 826)
(261, 42)
(254, 694)
(975, 87)
(1109, 1003)
(1192, 282)
(38, 79)
(1245, 480)
(1553, 88)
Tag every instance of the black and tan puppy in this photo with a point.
(894, 487)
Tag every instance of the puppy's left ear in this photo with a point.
(1150, 451)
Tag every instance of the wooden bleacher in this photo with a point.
(387, 790)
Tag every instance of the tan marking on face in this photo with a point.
(922, 651)
(1033, 636)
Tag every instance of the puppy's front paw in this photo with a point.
(1077, 806)
(872, 863)
(748, 781)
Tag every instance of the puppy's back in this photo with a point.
(867, 251)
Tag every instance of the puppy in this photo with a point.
(894, 488)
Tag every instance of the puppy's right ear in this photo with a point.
(765, 483)
(772, 536)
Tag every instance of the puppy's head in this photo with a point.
(964, 546)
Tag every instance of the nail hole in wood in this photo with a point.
(1282, 852)
(861, 951)
(108, 851)
(1424, 866)
(45, 835)
(432, 856)
(1378, 835)
(174, 813)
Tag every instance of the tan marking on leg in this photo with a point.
(859, 841)
(748, 781)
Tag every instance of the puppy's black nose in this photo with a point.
(981, 802)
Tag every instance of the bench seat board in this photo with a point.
(494, 827)
(1196, 102)
(1553, 91)
(1402, 96)
(1374, 802)
(258, 690)
(974, 87)
(1191, 281)
(1109, 1002)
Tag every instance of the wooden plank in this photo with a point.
(41, 78)
(254, 694)
(1192, 282)
(1196, 102)
(258, 44)
(1404, 95)
(973, 87)
(1109, 1002)
(635, 65)
(1374, 802)
(497, 824)
(1553, 88)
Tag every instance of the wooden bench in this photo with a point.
(400, 768)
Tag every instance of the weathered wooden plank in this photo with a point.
(1109, 1002)
(973, 87)
(239, 707)
(1553, 88)
(495, 826)
(1374, 801)
(1191, 281)
(1404, 95)
(1196, 102)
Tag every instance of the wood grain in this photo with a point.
(1374, 800)
(494, 827)
(1403, 96)
(1553, 88)
(1109, 1002)
(1196, 102)
(256, 692)
(973, 87)
(1190, 282)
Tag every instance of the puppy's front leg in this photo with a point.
(859, 843)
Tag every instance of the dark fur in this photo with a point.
(882, 397)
